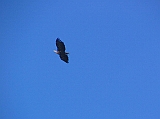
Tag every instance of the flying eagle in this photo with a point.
(61, 50)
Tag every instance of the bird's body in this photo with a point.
(61, 50)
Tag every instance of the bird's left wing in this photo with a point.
(60, 45)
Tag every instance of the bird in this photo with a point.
(61, 50)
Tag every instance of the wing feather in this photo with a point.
(64, 57)
(60, 45)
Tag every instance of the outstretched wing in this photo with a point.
(60, 45)
(63, 57)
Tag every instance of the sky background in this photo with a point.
(114, 61)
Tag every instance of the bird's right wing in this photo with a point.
(64, 57)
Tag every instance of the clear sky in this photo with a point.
(114, 61)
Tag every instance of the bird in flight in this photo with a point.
(61, 50)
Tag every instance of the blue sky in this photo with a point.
(114, 60)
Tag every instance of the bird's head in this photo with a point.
(55, 51)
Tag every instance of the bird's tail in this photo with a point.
(66, 53)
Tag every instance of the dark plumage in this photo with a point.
(61, 50)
